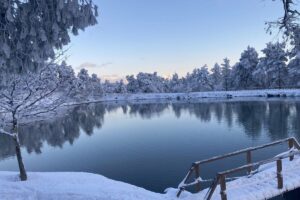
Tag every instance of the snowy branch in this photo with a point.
(2, 131)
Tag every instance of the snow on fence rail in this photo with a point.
(221, 176)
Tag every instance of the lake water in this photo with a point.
(152, 145)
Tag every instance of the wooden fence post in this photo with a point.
(223, 187)
(279, 174)
(197, 176)
(291, 145)
(249, 161)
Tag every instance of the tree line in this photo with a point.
(277, 68)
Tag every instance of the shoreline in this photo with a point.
(193, 96)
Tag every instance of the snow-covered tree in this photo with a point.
(243, 71)
(132, 84)
(31, 31)
(260, 75)
(96, 87)
(67, 76)
(294, 72)
(83, 83)
(294, 64)
(226, 74)
(150, 83)
(204, 80)
(199, 80)
(108, 87)
(146, 83)
(176, 84)
(88, 87)
(29, 95)
(216, 77)
(120, 87)
(274, 64)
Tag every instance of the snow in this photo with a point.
(262, 185)
(69, 185)
(79, 186)
(198, 95)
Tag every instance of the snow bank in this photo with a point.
(199, 95)
(69, 186)
(86, 186)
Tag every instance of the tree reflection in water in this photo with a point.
(278, 118)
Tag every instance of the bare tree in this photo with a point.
(26, 96)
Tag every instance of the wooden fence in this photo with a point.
(221, 176)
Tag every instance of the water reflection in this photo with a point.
(57, 131)
(278, 118)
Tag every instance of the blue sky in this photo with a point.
(170, 36)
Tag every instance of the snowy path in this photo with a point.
(86, 186)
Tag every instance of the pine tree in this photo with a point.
(204, 79)
(294, 72)
(243, 71)
(294, 65)
(216, 77)
(274, 63)
(226, 74)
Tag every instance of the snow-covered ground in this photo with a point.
(200, 95)
(69, 186)
(86, 186)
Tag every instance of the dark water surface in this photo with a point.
(152, 145)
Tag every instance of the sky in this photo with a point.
(169, 36)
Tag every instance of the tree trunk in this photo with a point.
(23, 175)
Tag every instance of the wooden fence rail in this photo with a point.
(221, 177)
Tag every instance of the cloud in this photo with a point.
(93, 65)
(112, 77)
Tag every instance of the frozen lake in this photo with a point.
(152, 145)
